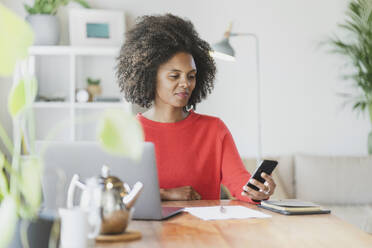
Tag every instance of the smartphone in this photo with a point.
(266, 166)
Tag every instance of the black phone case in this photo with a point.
(266, 166)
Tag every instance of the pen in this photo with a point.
(222, 209)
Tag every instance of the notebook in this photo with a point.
(293, 207)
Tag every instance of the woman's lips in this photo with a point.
(182, 94)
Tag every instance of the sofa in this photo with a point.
(342, 184)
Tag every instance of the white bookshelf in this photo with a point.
(63, 70)
(89, 105)
(103, 105)
(40, 105)
(74, 50)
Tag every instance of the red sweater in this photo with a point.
(198, 151)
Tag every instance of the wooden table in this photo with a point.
(185, 230)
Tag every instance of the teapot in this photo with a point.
(111, 198)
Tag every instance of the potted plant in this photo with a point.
(94, 89)
(21, 172)
(43, 20)
(356, 47)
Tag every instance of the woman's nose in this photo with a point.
(184, 82)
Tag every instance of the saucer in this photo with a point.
(126, 236)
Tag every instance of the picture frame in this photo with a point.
(96, 27)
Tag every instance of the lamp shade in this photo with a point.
(223, 50)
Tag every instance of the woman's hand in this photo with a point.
(265, 189)
(185, 193)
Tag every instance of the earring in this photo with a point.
(189, 108)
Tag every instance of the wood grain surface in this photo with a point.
(185, 230)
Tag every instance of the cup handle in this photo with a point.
(71, 190)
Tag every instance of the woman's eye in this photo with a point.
(192, 77)
(173, 76)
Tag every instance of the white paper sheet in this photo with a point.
(229, 212)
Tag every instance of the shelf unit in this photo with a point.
(75, 56)
(73, 50)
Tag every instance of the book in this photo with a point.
(293, 207)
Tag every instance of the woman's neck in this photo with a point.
(165, 115)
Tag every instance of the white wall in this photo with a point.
(300, 109)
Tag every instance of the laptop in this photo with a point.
(64, 159)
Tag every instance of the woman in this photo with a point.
(164, 66)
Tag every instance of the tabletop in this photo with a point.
(186, 230)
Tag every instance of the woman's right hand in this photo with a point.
(185, 193)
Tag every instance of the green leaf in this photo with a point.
(82, 3)
(17, 98)
(47, 8)
(356, 47)
(4, 186)
(2, 160)
(120, 133)
(5, 139)
(29, 9)
(38, 8)
(16, 37)
(356, 105)
(8, 217)
(31, 170)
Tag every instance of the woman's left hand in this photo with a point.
(265, 189)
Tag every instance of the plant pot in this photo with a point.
(38, 232)
(46, 29)
(94, 90)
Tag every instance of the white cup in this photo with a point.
(74, 228)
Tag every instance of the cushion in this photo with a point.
(358, 215)
(333, 180)
(285, 176)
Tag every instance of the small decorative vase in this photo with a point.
(94, 90)
(46, 29)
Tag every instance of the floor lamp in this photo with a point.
(223, 50)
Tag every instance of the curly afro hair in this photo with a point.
(152, 42)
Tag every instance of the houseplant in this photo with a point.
(43, 20)
(20, 174)
(356, 47)
(15, 201)
(94, 88)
